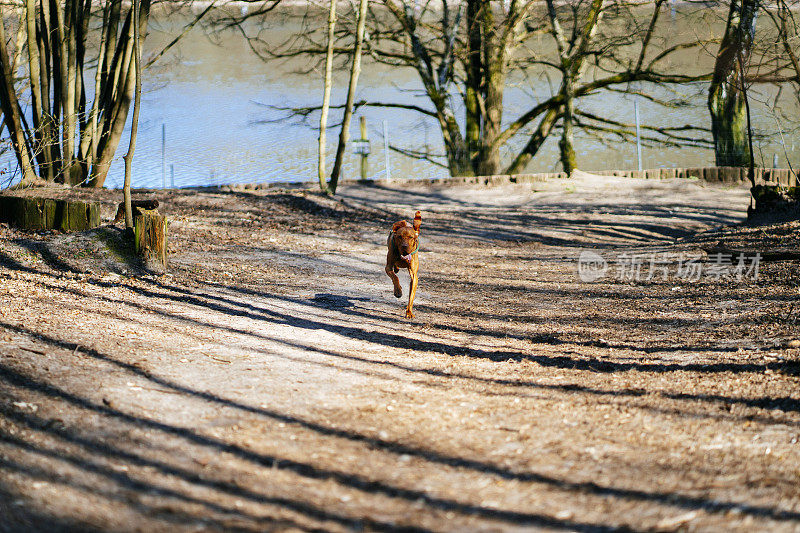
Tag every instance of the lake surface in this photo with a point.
(209, 102)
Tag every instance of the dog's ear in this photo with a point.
(398, 225)
(417, 221)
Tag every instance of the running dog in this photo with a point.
(403, 244)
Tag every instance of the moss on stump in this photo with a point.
(34, 213)
(774, 199)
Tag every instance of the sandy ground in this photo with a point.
(270, 381)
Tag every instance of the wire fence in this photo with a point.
(219, 139)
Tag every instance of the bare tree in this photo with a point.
(753, 55)
(572, 60)
(467, 53)
(788, 35)
(12, 114)
(326, 98)
(727, 95)
(69, 139)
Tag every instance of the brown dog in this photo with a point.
(403, 244)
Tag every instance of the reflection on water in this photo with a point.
(210, 101)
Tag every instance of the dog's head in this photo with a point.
(406, 236)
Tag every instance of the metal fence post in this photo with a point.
(163, 155)
(638, 134)
(386, 150)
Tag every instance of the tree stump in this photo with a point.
(150, 239)
(774, 199)
(136, 207)
(44, 213)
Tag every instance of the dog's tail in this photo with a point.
(417, 221)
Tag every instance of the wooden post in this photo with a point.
(364, 154)
(386, 150)
(638, 135)
(150, 240)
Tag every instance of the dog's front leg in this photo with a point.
(412, 289)
(398, 290)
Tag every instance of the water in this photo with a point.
(211, 100)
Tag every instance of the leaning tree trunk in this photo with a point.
(115, 101)
(535, 141)
(344, 134)
(726, 96)
(137, 70)
(11, 110)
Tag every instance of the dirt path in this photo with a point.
(271, 383)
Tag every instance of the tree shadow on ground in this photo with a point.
(105, 248)
(555, 222)
(15, 379)
(193, 438)
(527, 220)
(268, 313)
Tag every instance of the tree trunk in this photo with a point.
(63, 87)
(11, 110)
(135, 121)
(49, 133)
(751, 163)
(115, 102)
(494, 72)
(326, 98)
(88, 147)
(118, 93)
(70, 96)
(472, 84)
(566, 144)
(726, 99)
(128, 158)
(572, 55)
(34, 76)
(344, 134)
